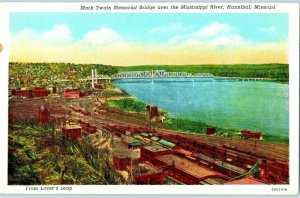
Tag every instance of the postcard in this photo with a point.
(149, 98)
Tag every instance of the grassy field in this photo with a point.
(185, 125)
(277, 72)
(128, 104)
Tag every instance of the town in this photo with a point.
(139, 148)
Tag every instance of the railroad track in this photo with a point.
(263, 148)
(279, 151)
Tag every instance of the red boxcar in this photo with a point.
(248, 134)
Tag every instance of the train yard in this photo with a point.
(158, 155)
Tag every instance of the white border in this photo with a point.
(291, 8)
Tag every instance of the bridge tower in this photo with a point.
(94, 77)
(93, 84)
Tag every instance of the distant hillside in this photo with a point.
(51, 73)
(57, 69)
(277, 72)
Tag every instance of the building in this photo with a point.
(210, 130)
(22, 93)
(43, 114)
(130, 142)
(150, 152)
(152, 111)
(31, 93)
(121, 162)
(145, 173)
(154, 150)
(189, 172)
(72, 131)
(54, 90)
(40, 92)
(71, 94)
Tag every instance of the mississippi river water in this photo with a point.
(256, 106)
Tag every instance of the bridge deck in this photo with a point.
(163, 74)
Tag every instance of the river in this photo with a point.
(252, 105)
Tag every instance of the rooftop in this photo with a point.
(71, 126)
(130, 139)
(183, 151)
(135, 143)
(144, 169)
(166, 143)
(246, 180)
(144, 134)
(186, 166)
(154, 138)
(155, 148)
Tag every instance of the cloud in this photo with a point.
(59, 31)
(214, 29)
(170, 28)
(223, 46)
(269, 29)
(214, 34)
(103, 35)
(225, 40)
(26, 33)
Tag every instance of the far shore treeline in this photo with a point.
(276, 72)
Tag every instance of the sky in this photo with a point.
(126, 39)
